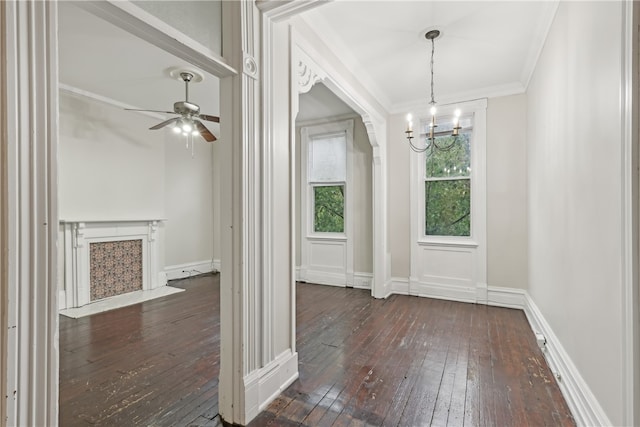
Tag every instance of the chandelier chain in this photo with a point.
(433, 49)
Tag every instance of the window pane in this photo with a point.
(448, 208)
(454, 162)
(328, 209)
(328, 158)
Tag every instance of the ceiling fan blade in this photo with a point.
(204, 132)
(165, 123)
(151, 111)
(209, 118)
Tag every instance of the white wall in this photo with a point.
(507, 192)
(188, 201)
(113, 167)
(574, 192)
(362, 203)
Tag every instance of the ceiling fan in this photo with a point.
(187, 123)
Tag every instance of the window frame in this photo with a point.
(308, 134)
(477, 111)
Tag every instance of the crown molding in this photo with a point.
(72, 90)
(514, 88)
(278, 10)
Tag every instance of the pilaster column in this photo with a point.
(28, 138)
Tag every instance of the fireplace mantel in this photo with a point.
(80, 234)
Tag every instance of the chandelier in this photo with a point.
(432, 133)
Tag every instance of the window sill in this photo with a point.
(448, 242)
(337, 237)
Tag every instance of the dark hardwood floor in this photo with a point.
(149, 364)
(408, 361)
(403, 361)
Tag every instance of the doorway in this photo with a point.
(334, 215)
(115, 175)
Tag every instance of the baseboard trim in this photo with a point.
(362, 280)
(506, 297)
(181, 271)
(583, 404)
(321, 277)
(399, 286)
(215, 264)
(442, 291)
(265, 384)
(359, 280)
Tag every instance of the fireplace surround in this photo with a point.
(118, 256)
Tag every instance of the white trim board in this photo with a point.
(358, 280)
(262, 386)
(181, 271)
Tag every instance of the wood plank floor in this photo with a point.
(408, 361)
(149, 364)
(403, 361)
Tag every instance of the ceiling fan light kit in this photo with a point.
(431, 143)
(188, 123)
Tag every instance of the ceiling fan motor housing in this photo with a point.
(184, 107)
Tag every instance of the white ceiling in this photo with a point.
(100, 58)
(486, 49)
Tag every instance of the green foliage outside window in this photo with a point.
(328, 209)
(448, 189)
(448, 208)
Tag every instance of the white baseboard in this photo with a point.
(264, 385)
(358, 280)
(399, 285)
(583, 404)
(362, 280)
(180, 271)
(321, 277)
(442, 291)
(506, 297)
(215, 264)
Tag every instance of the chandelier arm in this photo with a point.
(418, 149)
(445, 147)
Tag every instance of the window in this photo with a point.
(328, 209)
(327, 171)
(447, 184)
